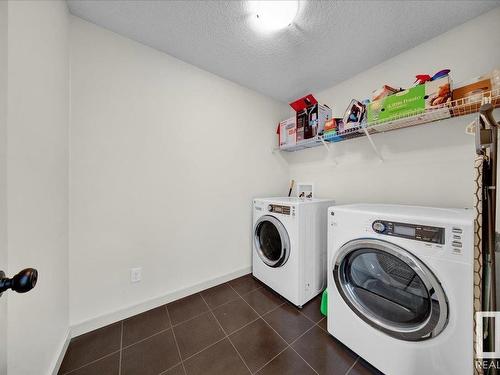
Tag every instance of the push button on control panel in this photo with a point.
(456, 244)
(456, 230)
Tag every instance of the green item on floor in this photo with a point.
(324, 303)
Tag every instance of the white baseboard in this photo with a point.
(103, 320)
(62, 352)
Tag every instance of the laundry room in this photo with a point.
(249, 187)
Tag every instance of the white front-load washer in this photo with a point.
(400, 286)
(289, 246)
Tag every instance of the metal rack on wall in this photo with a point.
(455, 108)
(485, 208)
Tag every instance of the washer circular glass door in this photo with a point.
(390, 289)
(271, 241)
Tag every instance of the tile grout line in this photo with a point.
(287, 345)
(216, 342)
(175, 340)
(187, 320)
(172, 326)
(170, 368)
(147, 338)
(261, 317)
(205, 348)
(307, 363)
(315, 324)
(91, 362)
(225, 333)
(296, 352)
(121, 351)
(303, 314)
(272, 359)
(204, 312)
(326, 330)
(352, 366)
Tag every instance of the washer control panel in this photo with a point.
(410, 231)
(279, 209)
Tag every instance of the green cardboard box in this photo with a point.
(411, 101)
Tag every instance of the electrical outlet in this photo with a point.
(135, 274)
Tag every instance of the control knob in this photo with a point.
(378, 227)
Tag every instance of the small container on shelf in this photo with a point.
(331, 132)
(353, 121)
(287, 132)
(468, 96)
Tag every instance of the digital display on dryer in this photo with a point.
(404, 230)
(430, 234)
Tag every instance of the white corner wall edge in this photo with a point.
(112, 317)
(62, 352)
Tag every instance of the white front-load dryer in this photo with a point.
(400, 286)
(289, 246)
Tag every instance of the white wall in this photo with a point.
(165, 160)
(3, 175)
(37, 181)
(425, 165)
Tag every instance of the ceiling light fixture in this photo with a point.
(273, 15)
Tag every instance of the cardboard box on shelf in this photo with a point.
(287, 132)
(383, 92)
(353, 116)
(410, 102)
(332, 128)
(437, 92)
(473, 91)
(310, 117)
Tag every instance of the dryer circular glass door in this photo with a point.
(390, 289)
(271, 241)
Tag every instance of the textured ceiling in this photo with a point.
(329, 41)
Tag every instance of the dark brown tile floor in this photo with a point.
(239, 327)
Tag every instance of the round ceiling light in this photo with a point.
(273, 15)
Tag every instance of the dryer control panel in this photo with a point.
(410, 231)
(279, 209)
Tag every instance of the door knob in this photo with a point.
(23, 282)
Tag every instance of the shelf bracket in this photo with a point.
(372, 143)
(328, 147)
(277, 152)
(325, 144)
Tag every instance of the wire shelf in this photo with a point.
(455, 108)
